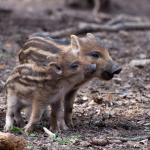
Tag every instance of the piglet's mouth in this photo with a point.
(106, 75)
(109, 74)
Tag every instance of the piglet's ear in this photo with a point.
(90, 35)
(75, 44)
(56, 68)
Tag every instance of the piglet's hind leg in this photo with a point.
(11, 109)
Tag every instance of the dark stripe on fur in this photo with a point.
(47, 36)
(41, 44)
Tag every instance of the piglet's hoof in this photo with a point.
(62, 126)
(58, 128)
(7, 128)
(70, 123)
(28, 128)
(19, 122)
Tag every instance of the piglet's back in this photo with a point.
(29, 74)
(41, 49)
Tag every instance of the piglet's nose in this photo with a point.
(93, 68)
(116, 69)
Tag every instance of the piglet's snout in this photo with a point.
(90, 69)
(116, 69)
(109, 73)
(93, 68)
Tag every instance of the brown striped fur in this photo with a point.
(30, 85)
(91, 52)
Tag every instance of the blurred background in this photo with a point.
(120, 107)
(134, 7)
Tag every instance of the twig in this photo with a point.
(108, 92)
(125, 139)
(124, 18)
(50, 134)
(65, 32)
(92, 27)
(82, 15)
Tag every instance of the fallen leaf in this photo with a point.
(2, 66)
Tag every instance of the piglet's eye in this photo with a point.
(74, 65)
(95, 54)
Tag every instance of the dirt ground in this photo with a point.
(102, 110)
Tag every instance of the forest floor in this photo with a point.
(112, 115)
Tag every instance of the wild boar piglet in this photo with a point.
(30, 85)
(40, 49)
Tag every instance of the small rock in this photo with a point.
(115, 141)
(147, 86)
(139, 62)
(131, 75)
(117, 80)
(10, 141)
(148, 113)
(142, 56)
(147, 124)
(84, 98)
(123, 94)
(144, 142)
(92, 103)
(100, 123)
(132, 144)
(99, 142)
(123, 33)
(98, 99)
(85, 143)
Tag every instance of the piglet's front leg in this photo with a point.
(57, 117)
(68, 105)
(37, 111)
